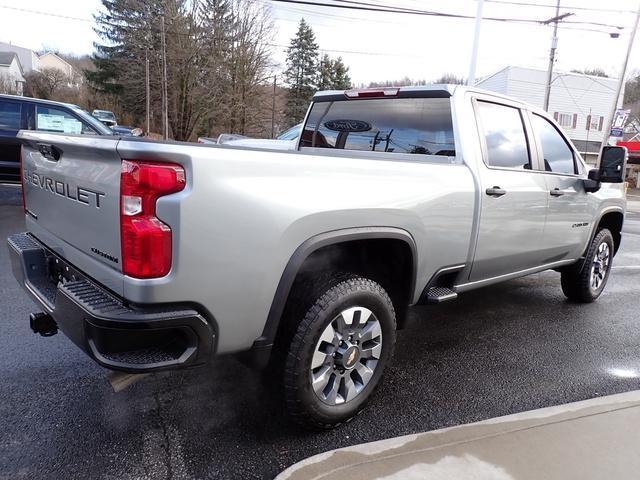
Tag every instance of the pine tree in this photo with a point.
(341, 79)
(302, 72)
(326, 73)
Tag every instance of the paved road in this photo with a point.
(500, 350)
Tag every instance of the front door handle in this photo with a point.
(556, 192)
(495, 191)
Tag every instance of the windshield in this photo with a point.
(292, 133)
(104, 115)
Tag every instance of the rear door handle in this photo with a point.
(556, 192)
(50, 152)
(495, 191)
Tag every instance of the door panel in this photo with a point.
(513, 198)
(569, 214)
(511, 226)
(568, 218)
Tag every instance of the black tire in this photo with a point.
(334, 299)
(577, 280)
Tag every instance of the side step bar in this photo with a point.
(440, 295)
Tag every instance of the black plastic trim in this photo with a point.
(91, 316)
(307, 248)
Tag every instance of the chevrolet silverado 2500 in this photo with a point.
(154, 256)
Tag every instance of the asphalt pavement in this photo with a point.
(496, 351)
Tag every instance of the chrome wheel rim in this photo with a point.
(346, 356)
(600, 266)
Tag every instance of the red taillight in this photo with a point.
(146, 240)
(372, 92)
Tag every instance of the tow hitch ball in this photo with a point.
(43, 323)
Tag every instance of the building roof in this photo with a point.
(6, 58)
(58, 57)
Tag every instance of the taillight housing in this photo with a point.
(146, 240)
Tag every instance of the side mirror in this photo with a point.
(592, 183)
(613, 164)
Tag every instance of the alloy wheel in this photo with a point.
(346, 355)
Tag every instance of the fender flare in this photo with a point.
(605, 211)
(311, 245)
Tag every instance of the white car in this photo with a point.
(285, 141)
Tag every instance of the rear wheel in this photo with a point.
(339, 351)
(585, 281)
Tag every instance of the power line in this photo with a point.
(374, 8)
(49, 14)
(548, 5)
(384, 8)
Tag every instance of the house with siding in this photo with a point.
(579, 103)
(52, 60)
(11, 74)
(28, 58)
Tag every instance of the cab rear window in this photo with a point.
(421, 126)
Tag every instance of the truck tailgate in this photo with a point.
(72, 192)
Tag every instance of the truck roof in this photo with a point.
(39, 100)
(436, 89)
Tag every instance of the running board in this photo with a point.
(440, 295)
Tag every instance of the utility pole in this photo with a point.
(273, 107)
(623, 73)
(476, 43)
(146, 71)
(165, 100)
(552, 53)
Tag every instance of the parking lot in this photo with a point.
(500, 350)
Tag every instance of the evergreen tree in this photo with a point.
(302, 72)
(325, 73)
(341, 78)
(333, 74)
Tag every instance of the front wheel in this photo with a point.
(585, 281)
(339, 352)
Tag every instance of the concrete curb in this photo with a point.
(592, 439)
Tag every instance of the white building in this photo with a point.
(579, 103)
(51, 60)
(11, 74)
(28, 58)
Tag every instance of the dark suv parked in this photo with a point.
(24, 113)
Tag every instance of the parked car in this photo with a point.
(24, 113)
(208, 140)
(105, 116)
(288, 140)
(155, 256)
(127, 131)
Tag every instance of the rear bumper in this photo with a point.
(116, 335)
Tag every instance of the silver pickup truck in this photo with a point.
(154, 256)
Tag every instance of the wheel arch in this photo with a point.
(313, 245)
(612, 220)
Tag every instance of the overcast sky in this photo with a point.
(386, 46)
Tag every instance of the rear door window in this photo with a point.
(505, 136)
(421, 126)
(51, 119)
(10, 115)
(558, 156)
